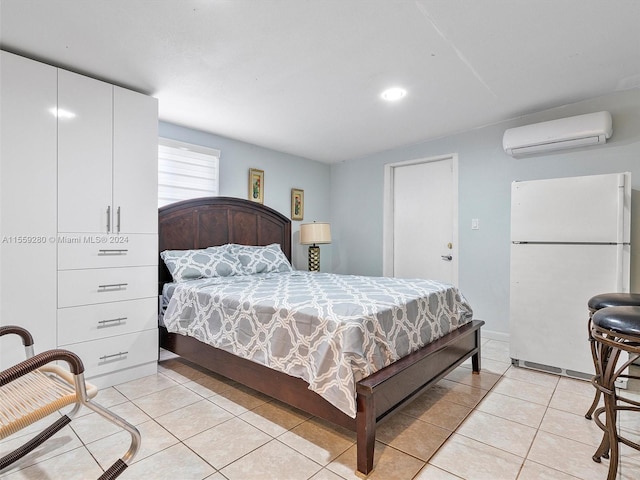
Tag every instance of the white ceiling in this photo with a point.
(304, 76)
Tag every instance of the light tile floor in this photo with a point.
(506, 423)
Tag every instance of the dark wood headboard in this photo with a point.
(211, 221)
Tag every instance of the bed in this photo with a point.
(219, 221)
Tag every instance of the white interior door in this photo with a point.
(421, 220)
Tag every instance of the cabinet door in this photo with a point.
(135, 162)
(84, 153)
(27, 203)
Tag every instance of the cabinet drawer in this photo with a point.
(116, 353)
(84, 250)
(102, 285)
(91, 322)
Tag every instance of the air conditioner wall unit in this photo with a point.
(571, 132)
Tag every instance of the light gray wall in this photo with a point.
(282, 172)
(485, 176)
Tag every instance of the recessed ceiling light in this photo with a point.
(393, 94)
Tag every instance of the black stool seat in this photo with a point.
(605, 300)
(623, 320)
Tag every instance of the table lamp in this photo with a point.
(313, 234)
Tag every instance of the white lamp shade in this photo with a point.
(314, 233)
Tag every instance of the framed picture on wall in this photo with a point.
(297, 204)
(256, 185)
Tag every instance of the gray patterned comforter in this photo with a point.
(330, 330)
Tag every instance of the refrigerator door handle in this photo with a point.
(621, 192)
(620, 287)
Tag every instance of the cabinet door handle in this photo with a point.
(109, 219)
(118, 224)
(112, 251)
(111, 322)
(113, 285)
(119, 354)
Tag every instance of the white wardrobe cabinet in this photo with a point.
(27, 203)
(107, 228)
(107, 152)
(78, 221)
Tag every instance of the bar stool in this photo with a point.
(614, 330)
(596, 303)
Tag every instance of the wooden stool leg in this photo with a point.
(598, 376)
(607, 357)
(603, 386)
(603, 448)
(612, 434)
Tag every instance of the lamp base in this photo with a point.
(314, 258)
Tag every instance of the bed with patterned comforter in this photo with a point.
(330, 330)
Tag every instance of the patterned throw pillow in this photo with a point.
(206, 263)
(255, 259)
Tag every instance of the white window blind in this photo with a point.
(186, 171)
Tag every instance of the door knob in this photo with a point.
(448, 258)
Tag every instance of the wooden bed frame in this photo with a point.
(214, 221)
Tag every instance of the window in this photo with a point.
(186, 171)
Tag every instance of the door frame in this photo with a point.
(388, 211)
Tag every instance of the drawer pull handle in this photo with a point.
(107, 357)
(116, 286)
(112, 251)
(110, 322)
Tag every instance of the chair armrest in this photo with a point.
(39, 360)
(27, 339)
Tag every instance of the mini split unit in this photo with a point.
(571, 132)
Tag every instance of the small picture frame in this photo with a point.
(297, 204)
(256, 185)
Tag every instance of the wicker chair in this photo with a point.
(36, 388)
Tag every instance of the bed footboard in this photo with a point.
(378, 395)
(394, 386)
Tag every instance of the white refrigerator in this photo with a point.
(570, 240)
